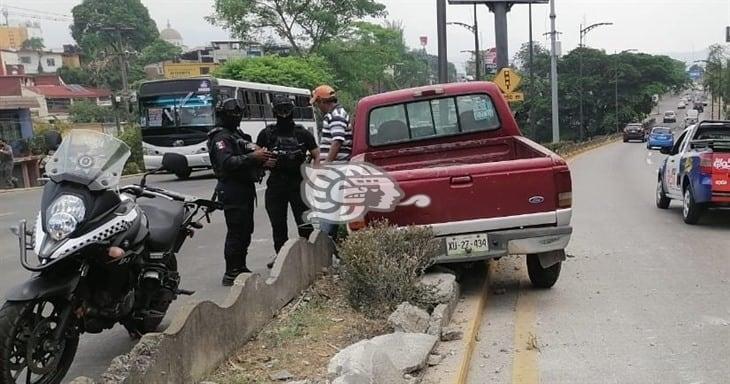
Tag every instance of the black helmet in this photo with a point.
(283, 106)
(229, 112)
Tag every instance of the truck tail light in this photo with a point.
(706, 163)
(565, 200)
(564, 188)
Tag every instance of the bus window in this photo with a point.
(241, 96)
(253, 104)
(266, 104)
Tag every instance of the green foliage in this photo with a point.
(717, 74)
(76, 76)
(34, 43)
(381, 266)
(302, 72)
(94, 18)
(89, 112)
(132, 136)
(639, 77)
(158, 51)
(301, 23)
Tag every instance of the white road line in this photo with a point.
(648, 161)
(6, 214)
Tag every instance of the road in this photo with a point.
(201, 263)
(642, 299)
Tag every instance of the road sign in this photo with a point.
(514, 96)
(507, 80)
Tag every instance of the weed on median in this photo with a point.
(302, 338)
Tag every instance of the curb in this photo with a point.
(203, 334)
(473, 330)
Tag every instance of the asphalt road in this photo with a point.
(642, 299)
(201, 262)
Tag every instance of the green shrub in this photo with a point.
(131, 168)
(382, 265)
(132, 136)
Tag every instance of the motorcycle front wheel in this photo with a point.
(29, 351)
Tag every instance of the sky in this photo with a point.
(652, 26)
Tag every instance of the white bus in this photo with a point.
(176, 115)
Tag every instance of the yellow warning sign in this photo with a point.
(514, 96)
(507, 80)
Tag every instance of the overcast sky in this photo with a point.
(653, 26)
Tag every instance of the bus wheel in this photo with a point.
(185, 175)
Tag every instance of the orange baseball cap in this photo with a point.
(322, 93)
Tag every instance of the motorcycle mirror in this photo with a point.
(175, 163)
(53, 140)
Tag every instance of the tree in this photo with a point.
(89, 112)
(158, 51)
(301, 23)
(95, 19)
(302, 72)
(76, 76)
(35, 44)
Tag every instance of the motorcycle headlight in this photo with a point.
(64, 214)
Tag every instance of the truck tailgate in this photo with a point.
(478, 191)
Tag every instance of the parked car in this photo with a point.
(634, 131)
(691, 118)
(670, 117)
(660, 137)
(681, 104)
(697, 170)
(492, 192)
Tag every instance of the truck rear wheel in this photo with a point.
(542, 277)
(185, 175)
(691, 211)
(662, 201)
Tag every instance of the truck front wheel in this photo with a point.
(542, 277)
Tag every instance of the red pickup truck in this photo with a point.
(492, 191)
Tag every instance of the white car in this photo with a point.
(670, 117)
(681, 105)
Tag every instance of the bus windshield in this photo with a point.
(189, 110)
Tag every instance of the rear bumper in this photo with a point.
(634, 136)
(201, 160)
(513, 242)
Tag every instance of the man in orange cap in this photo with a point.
(335, 143)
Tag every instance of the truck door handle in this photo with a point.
(461, 180)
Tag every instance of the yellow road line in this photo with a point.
(525, 369)
(473, 330)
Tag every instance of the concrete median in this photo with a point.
(203, 334)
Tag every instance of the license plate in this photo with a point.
(467, 244)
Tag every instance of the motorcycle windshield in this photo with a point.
(90, 158)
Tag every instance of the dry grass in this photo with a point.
(303, 338)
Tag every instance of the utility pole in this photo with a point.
(442, 48)
(500, 33)
(123, 58)
(554, 74)
(477, 61)
(530, 91)
(583, 32)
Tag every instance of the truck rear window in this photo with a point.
(432, 118)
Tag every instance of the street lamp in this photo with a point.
(583, 33)
(475, 30)
(618, 125)
(719, 93)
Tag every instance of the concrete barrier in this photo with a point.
(202, 335)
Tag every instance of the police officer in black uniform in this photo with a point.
(289, 143)
(238, 164)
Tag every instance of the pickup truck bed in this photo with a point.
(492, 192)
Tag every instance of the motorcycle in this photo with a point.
(106, 255)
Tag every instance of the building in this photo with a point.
(71, 56)
(36, 62)
(47, 96)
(172, 36)
(12, 37)
(15, 109)
(223, 50)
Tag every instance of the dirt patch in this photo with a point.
(302, 338)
